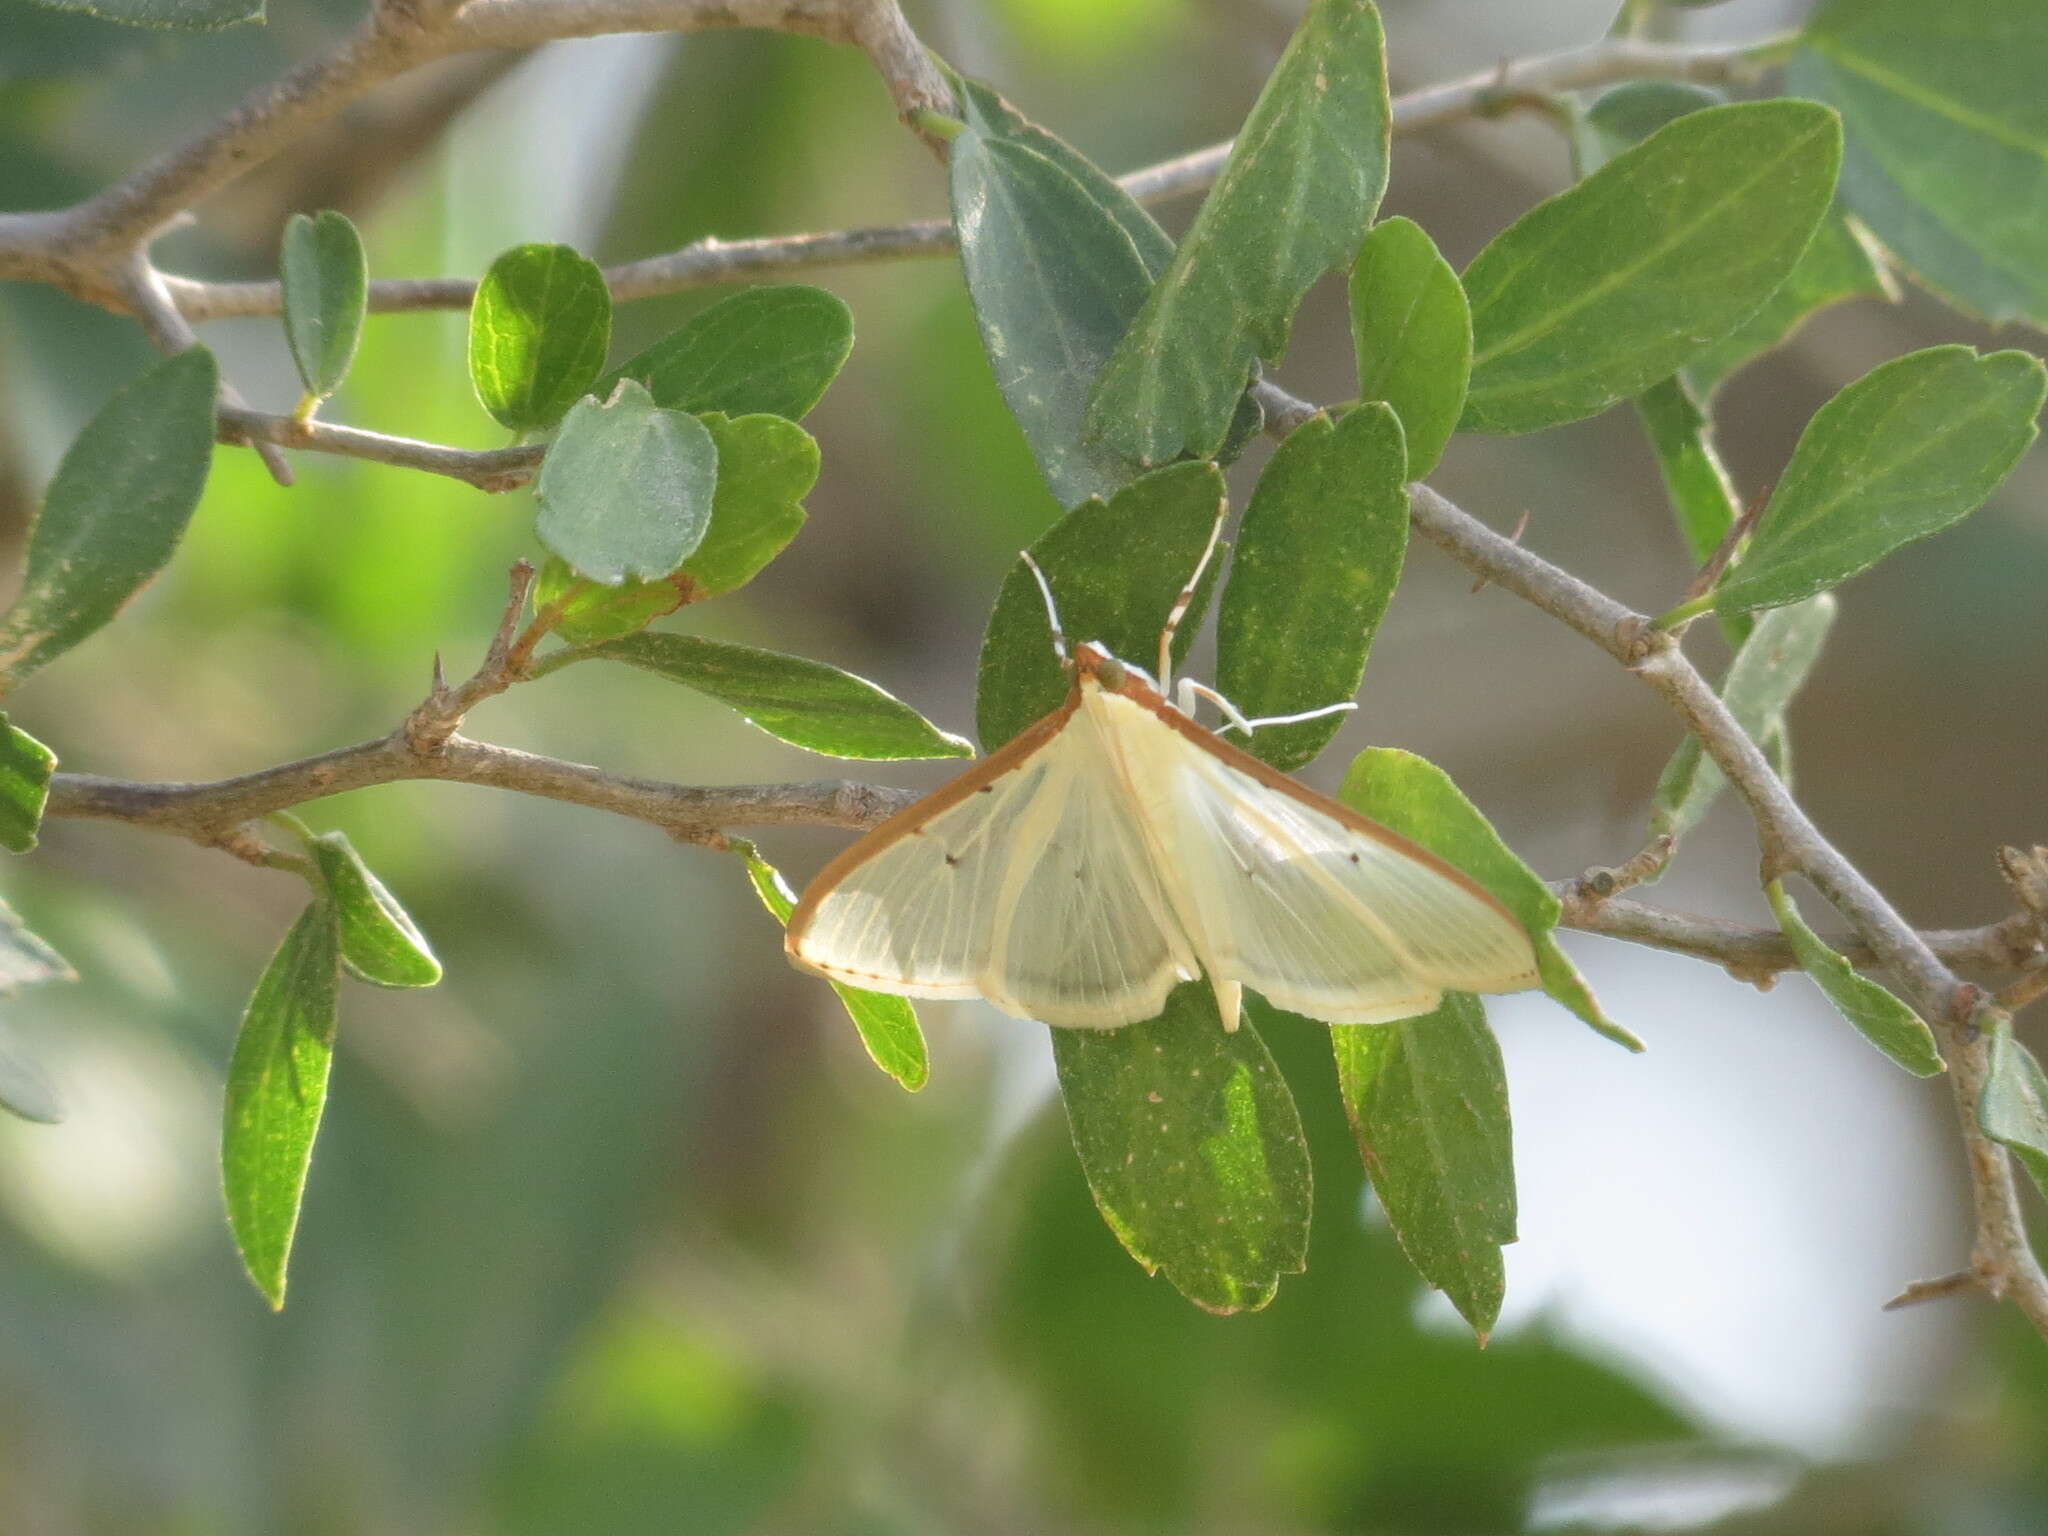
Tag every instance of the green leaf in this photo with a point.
(1192, 1148)
(1428, 1101)
(1909, 448)
(994, 117)
(1417, 799)
(25, 960)
(1696, 482)
(277, 1087)
(25, 769)
(114, 512)
(887, 1025)
(1948, 129)
(628, 488)
(326, 281)
(166, 15)
(378, 940)
(766, 351)
(1593, 296)
(804, 703)
(1840, 263)
(25, 1088)
(2013, 1109)
(1413, 334)
(766, 466)
(591, 614)
(1318, 556)
(1766, 674)
(1055, 281)
(1878, 1016)
(1115, 568)
(538, 331)
(1295, 201)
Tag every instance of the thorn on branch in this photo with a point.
(1935, 1290)
(433, 724)
(1521, 527)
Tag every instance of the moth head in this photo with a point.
(1092, 659)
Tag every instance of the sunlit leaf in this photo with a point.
(627, 488)
(25, 769)
(538, 330)
(1417, 799)
(378, 940)
(276, 1090)
(326, 281)
(1294, 201)
(1909, 448)
(1597, 294)
(1878, 1016)
(804, 703)
(114, 512)
(766, 466)
(1318, 557)
(768, 350)
(1193, 1149)
(1412, 331)
(887, 1025)
(1428, 1102)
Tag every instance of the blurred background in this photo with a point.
(617, 1230)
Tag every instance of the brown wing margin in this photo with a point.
(914, 816)
(1137, 692)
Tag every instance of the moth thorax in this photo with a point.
(1110, 673)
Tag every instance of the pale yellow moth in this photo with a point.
(1116, 848)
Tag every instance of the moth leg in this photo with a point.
(1186, 600)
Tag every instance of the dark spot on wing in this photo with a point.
(1354, 858)
(952, 858)
(986, 789)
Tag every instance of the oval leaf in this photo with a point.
(627, 488)
(25, 769)
(378, 940)
(766, 466)
(166, 15)
(2013, 1109)
(277, 1087)
(1294, 201)
(767, 350)
(115, 510)
(1946, 138)
(1413, 333)
(591, 614)
(326, 282)
(1115, 568)
(1417, 799)
(1912, 446)
(1593, 296)
(1193, 1149)
(1055, 281)
(1318, 557)
(887, 1026)
(1878, 1016)
(1762, 681)
(538, 330)
(1840, 264)
(1428, 1102)
(804, 703)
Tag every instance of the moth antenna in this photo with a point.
(1186, 599)
(1052, 612)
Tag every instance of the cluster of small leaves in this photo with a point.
(1700, 234)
